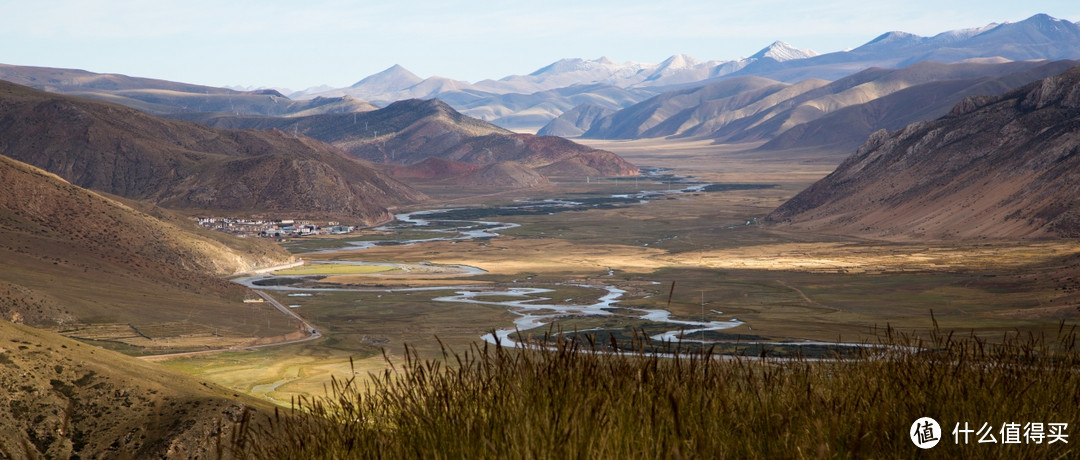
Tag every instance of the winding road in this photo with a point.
(311, 331)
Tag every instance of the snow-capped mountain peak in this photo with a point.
(782, 51)
(603, 64)
(678, 62)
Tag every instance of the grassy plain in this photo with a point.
(702, 255)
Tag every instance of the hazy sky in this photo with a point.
(298, 44)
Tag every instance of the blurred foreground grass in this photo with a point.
(576, 399)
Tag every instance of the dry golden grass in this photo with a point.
(509, 256)
(869, 257)
(403, 281)
(337, 269)
(512, 256)
(570, 400)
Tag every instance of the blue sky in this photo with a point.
(297, 44)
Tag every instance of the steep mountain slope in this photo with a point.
(160, 97)
(185, 165)
(995, 167)
(432, 168)
(674, 112)
(748, 109)
(437, 171)
(530, 111)
(39, 202)
(540, 152)
(412, 131)
(507, 174)
(140, 280)
(66, 399)
(856, 89)
(575, 122)
(849, 127)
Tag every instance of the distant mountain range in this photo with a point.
(411, 131)
(397, 83)
(781, 97)
(161, 97)
(403, 133)
(1038, 37)
(814, 113)
(994, 167)
(527, 101)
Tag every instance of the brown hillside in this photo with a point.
(506, 174)
(122, 151)
(74, 259)
(540, 152)
(66, 399)
(431, 169)
(995, 167)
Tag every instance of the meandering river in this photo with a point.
(533, 310)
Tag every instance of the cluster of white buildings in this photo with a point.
(277, 228)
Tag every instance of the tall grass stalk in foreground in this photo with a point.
(573, 400)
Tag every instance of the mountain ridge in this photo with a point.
(411, 131)
(994, 167)
(177, 164)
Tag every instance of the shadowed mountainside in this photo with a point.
(177, 164)
(995, 167)
(575, 122)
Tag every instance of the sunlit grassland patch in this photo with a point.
(337, 269)
(329, 242)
